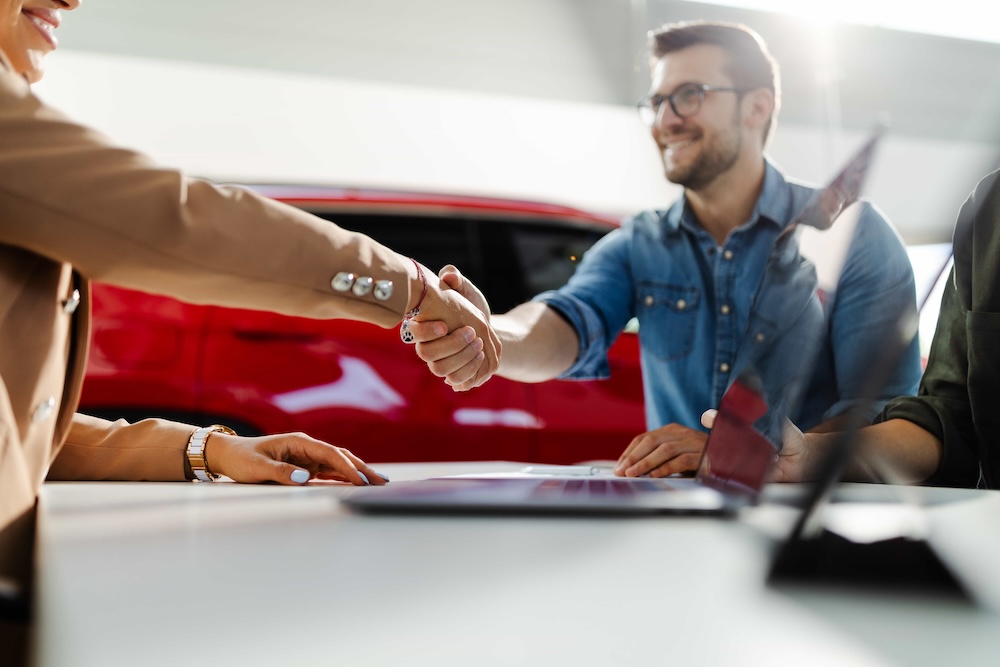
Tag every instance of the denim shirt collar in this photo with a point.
(773, 205)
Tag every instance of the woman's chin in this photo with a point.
(35, 69)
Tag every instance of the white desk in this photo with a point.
(225, 574)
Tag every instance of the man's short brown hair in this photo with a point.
(749, 63)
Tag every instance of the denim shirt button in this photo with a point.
(728, 254)
(724, 309)
(650, 300)
(724, 367)
(681, 304)
(759, 337)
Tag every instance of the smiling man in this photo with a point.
(689, 272)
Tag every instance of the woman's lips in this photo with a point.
(45, 22)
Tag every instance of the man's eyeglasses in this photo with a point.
(685, 101)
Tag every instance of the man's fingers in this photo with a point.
(685, 463)
(469, 376)
(667, 450)
(654, 459)
(453, 344)
(489, 366)
(461, 368)
(636, 449)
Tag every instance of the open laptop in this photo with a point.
(741, 448)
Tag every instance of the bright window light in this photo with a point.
(964, 19)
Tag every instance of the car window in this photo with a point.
(548, 255)
(524, 258)
(511, 261)
(431, 240)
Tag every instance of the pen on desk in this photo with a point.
(562, 470)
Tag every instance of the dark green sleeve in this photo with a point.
(941, 406)
(944, 405)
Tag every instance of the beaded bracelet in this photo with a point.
(404, 329)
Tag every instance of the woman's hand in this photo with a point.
(289, 458)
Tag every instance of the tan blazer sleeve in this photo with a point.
(99, 450)
(68, 194)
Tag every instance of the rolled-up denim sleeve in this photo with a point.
(597, 302)
(875, 289)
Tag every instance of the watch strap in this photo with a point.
(196, 451)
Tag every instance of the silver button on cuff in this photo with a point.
(70, 305)
(383, 290)
(44, 410)
(363, 285)
(342, 281)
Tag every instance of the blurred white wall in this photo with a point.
(243, 124)
(258, 125)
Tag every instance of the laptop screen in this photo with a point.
(738, 458)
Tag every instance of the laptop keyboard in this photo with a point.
(591, 488)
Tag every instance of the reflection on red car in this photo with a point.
(356, 385)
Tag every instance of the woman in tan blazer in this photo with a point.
(75, 208)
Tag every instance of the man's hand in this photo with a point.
(459, 356)
(667, 450)
(290, 458)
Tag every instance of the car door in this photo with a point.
(144, 351)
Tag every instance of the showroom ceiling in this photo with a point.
(570, 50)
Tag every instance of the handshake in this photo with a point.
(452, 332)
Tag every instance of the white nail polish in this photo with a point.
(300, 476)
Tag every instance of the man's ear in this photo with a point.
(758, 107)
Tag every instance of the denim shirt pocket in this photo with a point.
(668, 315)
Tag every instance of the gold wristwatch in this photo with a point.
(196, 451)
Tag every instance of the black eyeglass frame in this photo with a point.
(653, 103)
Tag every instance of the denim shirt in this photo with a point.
(693, 299)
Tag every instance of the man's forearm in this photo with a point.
(832, 425)
(893, 452)
(538, 344)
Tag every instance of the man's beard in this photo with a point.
(716, 157)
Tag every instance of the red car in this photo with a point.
(357, 385)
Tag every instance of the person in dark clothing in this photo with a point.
(946, 434)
